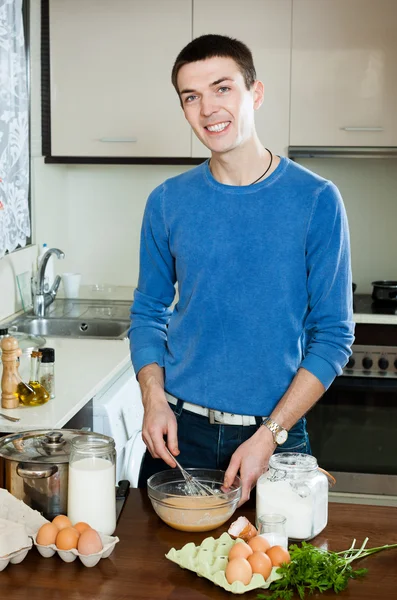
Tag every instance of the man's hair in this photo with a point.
(210, 45)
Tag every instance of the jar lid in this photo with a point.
(43, 446)
(293, 462)
(47, 355)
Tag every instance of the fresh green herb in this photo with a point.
(313, 569)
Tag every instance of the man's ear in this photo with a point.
(258, 93)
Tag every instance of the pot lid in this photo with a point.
(48, 446)
(27, 341)
(386, 283)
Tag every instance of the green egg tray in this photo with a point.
(209, 560)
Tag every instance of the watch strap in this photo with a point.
(274, 427)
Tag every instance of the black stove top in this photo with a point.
(364, 304)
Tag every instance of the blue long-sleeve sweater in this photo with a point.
(264, 284)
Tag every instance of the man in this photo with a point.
(259, 247)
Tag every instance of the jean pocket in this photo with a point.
(295, 444)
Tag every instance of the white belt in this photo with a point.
(216, 417)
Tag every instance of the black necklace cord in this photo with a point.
(270, 164)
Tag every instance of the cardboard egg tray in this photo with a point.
(14, 557)
(88, 560)
(209, 560)
(16, 511)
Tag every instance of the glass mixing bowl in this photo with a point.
(167, 493)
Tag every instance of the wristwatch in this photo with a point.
(280, 434)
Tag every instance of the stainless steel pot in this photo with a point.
(384, 291)
(36, 467)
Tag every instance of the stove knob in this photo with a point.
(367, 363)
(383, 363)
(351, 363)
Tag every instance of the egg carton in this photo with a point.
(15, 557)
(88, 560)
(210, 559)
(16, 510)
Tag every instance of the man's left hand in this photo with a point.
(251, 459)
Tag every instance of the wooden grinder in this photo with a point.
(10, 378)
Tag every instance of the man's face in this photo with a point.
(217, 104)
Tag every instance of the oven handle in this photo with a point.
(363, 384)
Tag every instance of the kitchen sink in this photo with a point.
(75, 328)
(77, 319)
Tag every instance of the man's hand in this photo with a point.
(158, 420)
(251, 459)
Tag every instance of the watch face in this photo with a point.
(281, 436)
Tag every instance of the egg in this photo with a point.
(259, 544)
(238, 569)
(67, 538)
(61, 521)
(46, 534)
(81, 526)
(240, 550)
(89, 542)
(260, 563)
(278, 555)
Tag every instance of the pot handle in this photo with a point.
(29, 471)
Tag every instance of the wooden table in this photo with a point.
(138, 569)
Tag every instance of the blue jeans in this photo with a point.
(203, 445)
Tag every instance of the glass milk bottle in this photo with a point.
(294, 487)
(92, 482)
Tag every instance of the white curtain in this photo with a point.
(14, 131)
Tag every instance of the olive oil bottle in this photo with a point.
(33, 394)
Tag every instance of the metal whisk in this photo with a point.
(194, 487)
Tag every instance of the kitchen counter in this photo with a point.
(83, 367)
(138, 569)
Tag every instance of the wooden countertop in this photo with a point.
(137, 568)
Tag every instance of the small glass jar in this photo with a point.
(273, 528)
(92, 482)
(294, 487)
(47, 370)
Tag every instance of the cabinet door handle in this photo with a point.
(119, 140)
(362, 128)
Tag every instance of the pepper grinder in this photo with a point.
(10, 378)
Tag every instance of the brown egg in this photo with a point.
(240, 550)
(81, 526)
(46, 534)
(260, 563)
(278, 555)
(67, 538)
(259, 544)
(89, 542)
(61, 521)
(238, 569)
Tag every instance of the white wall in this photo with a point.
(93, 212)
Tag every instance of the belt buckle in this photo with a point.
(211, 416)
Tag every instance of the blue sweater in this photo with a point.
(264, 285)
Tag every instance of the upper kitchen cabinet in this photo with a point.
(110, 78)
(265, 26)
(344, 74)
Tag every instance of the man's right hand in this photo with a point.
(159, 420)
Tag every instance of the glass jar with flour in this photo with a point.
(294, 487)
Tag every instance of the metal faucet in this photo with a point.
(42, 299)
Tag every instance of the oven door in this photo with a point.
(352, 433)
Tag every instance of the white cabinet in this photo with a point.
(110, 69)
(265, 27)
(344, 73)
